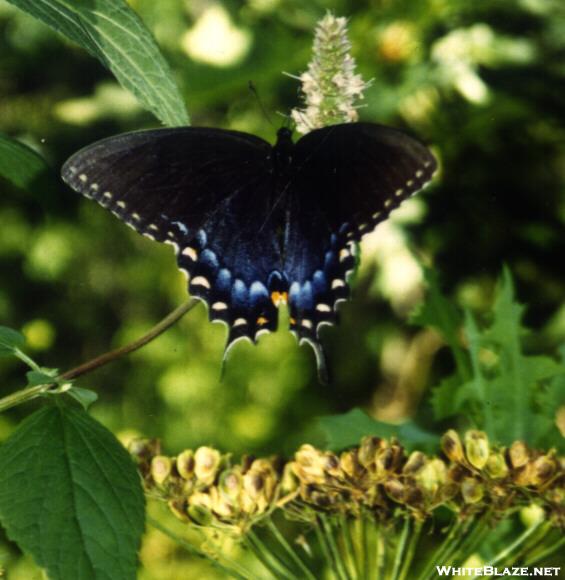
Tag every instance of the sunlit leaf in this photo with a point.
(112, 31)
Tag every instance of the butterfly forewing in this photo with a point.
(207, 193)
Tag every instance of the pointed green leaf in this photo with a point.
(112, 31)
(345, 430)
(71, 496)
(10, 339)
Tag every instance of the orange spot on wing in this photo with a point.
(292, 320)
(262, 321)
(279, 298)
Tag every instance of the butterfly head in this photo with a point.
(284, 135)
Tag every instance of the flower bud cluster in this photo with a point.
(330, 85)
(378, 477)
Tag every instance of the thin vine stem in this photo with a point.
(111, 356)
(29, 393)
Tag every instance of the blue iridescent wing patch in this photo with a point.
(255, 225)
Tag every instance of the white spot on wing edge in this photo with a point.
(190, 253)
(200, 281)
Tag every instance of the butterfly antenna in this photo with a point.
(253, 89)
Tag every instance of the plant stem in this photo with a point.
(411, 550)
(381, 553)
(463, 549)
(271, 561)
(341, 568)
(292, 553)
(29, 393)
(348, 543)
(545, 553)
(519, 541)
(108, 357)
(366, 549)
(233, 569)
(401, 548)
(325, 548)
(445, 546)
(22, 396)
(26, 359)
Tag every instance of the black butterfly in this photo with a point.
(256, 225)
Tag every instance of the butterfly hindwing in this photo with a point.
(204, 191)
(345, 180)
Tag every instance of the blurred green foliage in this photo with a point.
(482, 82)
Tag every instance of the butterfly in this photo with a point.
(256, 225)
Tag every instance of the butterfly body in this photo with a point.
(256, 225)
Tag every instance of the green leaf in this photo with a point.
(10, 340)
(71, 496)
(41, 377)
(23, 167)
(83, 396)
(439, 313)
(112, 31)
(443, 397)
(345, 430)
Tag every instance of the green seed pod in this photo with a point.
(309, 464)
(518, 454)
(543, 469)
(185, 464)
(415, 463)
(206, 464)
(178, 508)
(395, 490)
(452, 446)
(200, 515)
(472, 490)
(231, 482)
(532, 515)
(161, 467)
(477, 448)
(368, 448)
(496, 466)
(349, 463)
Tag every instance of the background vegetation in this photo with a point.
(482, 82)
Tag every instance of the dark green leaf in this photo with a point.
(345, 430)
(23, 167)
(83, 396)
(10, 339)
(71, 496)
(112, 31)
(438, 312)
(42, 377)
